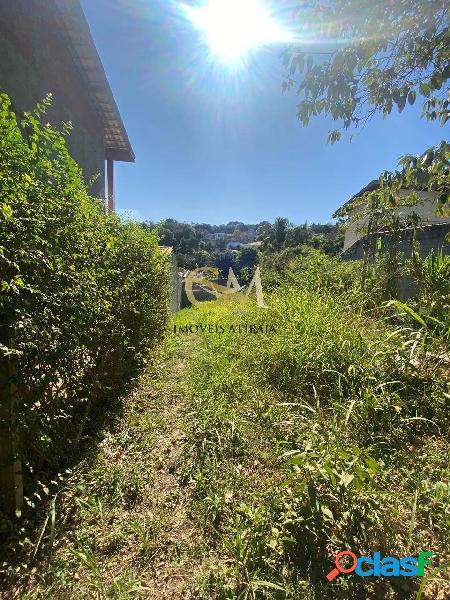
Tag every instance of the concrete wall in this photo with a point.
(35, 59)
(175, 279)
(175, 303)
(432, 237)
(426, 210)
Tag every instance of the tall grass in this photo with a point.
(320, 436)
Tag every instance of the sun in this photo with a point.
(233, 28)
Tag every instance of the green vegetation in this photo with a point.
(242, 463)
(282, 234)
(83, 299)
(304, 266)
(192, 245)
(118, 526)
(389, 55)
(238, 464)
(330, 434)
(194, 249)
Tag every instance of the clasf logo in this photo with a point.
(364, 566)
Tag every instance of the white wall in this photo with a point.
(426, 210)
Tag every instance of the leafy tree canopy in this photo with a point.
(281, 234)
(359, 58)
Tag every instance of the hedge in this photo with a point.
(83, 295)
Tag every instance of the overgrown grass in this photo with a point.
(324, 435)
(244, 462)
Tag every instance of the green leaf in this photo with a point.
(346, 479)
(408, 310)
(327, 512)
(372, 465)
(6, 210)
(259, 583)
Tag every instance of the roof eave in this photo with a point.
(373, 185)
(120, 155)
(117, 143)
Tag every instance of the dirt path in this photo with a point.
(122, 523)
(178, 565)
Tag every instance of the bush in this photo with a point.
(312, 270)
(83, 295)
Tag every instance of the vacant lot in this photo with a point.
(242, 463)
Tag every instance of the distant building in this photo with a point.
(431, 231)
(217, 237)
(235, 245)
(46, 47)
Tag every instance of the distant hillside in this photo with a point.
(234, 244)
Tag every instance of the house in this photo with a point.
(235, 245)
(431, 231)
(217, 237)
(46, 47)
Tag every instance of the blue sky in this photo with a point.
(209, 150)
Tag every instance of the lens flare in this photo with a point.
(231, 29)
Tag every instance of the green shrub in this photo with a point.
(311, 270)
(83, 295)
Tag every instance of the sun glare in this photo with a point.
(233, 28)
